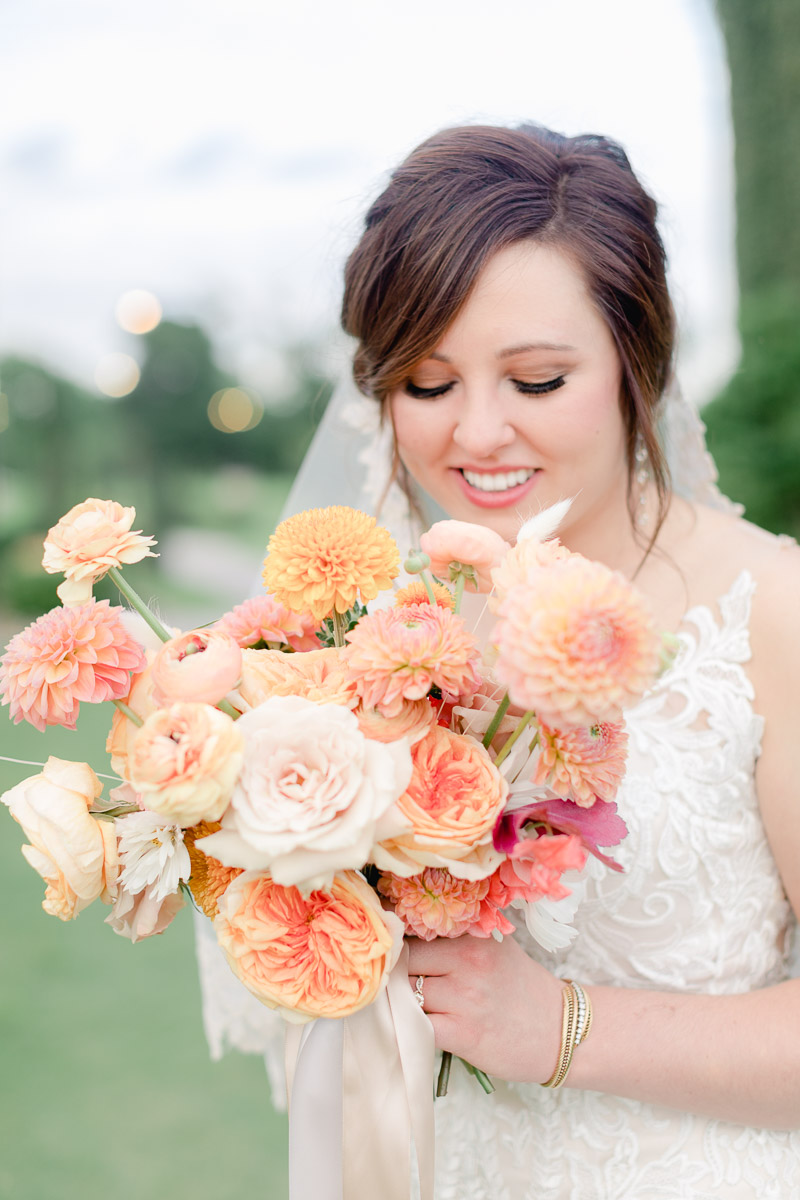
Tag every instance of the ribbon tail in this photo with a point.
(314, 1093)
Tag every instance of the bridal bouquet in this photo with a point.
(321, 780)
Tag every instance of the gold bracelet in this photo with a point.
(576, 1021)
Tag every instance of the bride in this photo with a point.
(511, 316)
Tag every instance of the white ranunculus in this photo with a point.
(313, 795)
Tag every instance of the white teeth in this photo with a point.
(497, 482)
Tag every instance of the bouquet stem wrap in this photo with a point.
(360, 1098)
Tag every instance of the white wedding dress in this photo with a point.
(699, 908)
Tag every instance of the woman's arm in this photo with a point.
(734, 1057)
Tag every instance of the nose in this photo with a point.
(482, 424)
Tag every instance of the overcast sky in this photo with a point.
(220, 152)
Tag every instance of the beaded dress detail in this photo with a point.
(699, 908)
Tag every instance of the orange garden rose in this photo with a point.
(576, 645)
(74, 853)
(68, 655)
(317, 675)
(201, 666)
(399, 654)
(453, 545)
(325, 558)
(185, 761)
(325, 955)
(452, 802)
(87, 541)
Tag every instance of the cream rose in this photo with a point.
(184, 762)
(313, 795)
(74, 853)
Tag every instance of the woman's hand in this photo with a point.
(490, 1004)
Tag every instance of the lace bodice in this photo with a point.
(699, 908)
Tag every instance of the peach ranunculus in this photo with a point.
(412, 722)
(263, 623)
(74, 853)
(325, 955)
(87, 541)
(451, 804)
(583, 763)
(324, 559)
(123, 733)
(185, 761)
(312, 793)
(399, 654)
(577, 645)
(202, 666)
(458, 547)
(67, 656)
(523, 558)
(317, 675)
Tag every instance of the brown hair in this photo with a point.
(466, 193)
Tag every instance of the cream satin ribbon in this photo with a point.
(361, 1100)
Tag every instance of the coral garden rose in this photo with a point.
(201, 666)
(324, 559)
(87, 541)
(317, 675)
(584, 763)
(67, 656)
(458, 547)
(577, 645)
(312, 793)
(185, 761)
(264, 623)
(324, 955)
(452, 803)
(399, 654)
(74, 853)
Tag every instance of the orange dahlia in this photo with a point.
(584, 763)
(325, 558)
(399, 654)
(577, 644)
(209, 878)
(416, 593)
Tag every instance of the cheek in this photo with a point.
(418, 431)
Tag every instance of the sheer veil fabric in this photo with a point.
(350, 462)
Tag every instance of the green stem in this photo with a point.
(507, 746)
(110, 814)
(138, 604)
(226, 707)
(428, 586)
(339, 628)
(129, 713)
(494, 724)
(444, 1074)
(460, 581)
(483, 1079)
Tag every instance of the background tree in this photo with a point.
(754, 424)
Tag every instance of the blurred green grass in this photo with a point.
(107, 1087)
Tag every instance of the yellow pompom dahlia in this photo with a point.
(324, 558)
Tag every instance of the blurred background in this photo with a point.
(179, 186)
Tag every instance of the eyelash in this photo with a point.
(527, 389)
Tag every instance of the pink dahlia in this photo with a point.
(435, 903)
(576, 645)
(68, 655)
(264, 623)
(399, 654)
(527, 556)
(584, 763)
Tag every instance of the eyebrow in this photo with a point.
(510, 351)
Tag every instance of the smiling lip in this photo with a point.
(501, 499)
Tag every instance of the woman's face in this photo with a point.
(518, 406)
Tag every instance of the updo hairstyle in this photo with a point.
(470, 191)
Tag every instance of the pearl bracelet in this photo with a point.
(576, 1021)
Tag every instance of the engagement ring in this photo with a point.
(418, 996)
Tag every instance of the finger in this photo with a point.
(437, 994)
(437, 957)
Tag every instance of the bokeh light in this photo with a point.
(116, 375)
(138, 311)
(235, 410)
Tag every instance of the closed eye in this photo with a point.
(538, 389)
(419, 393)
